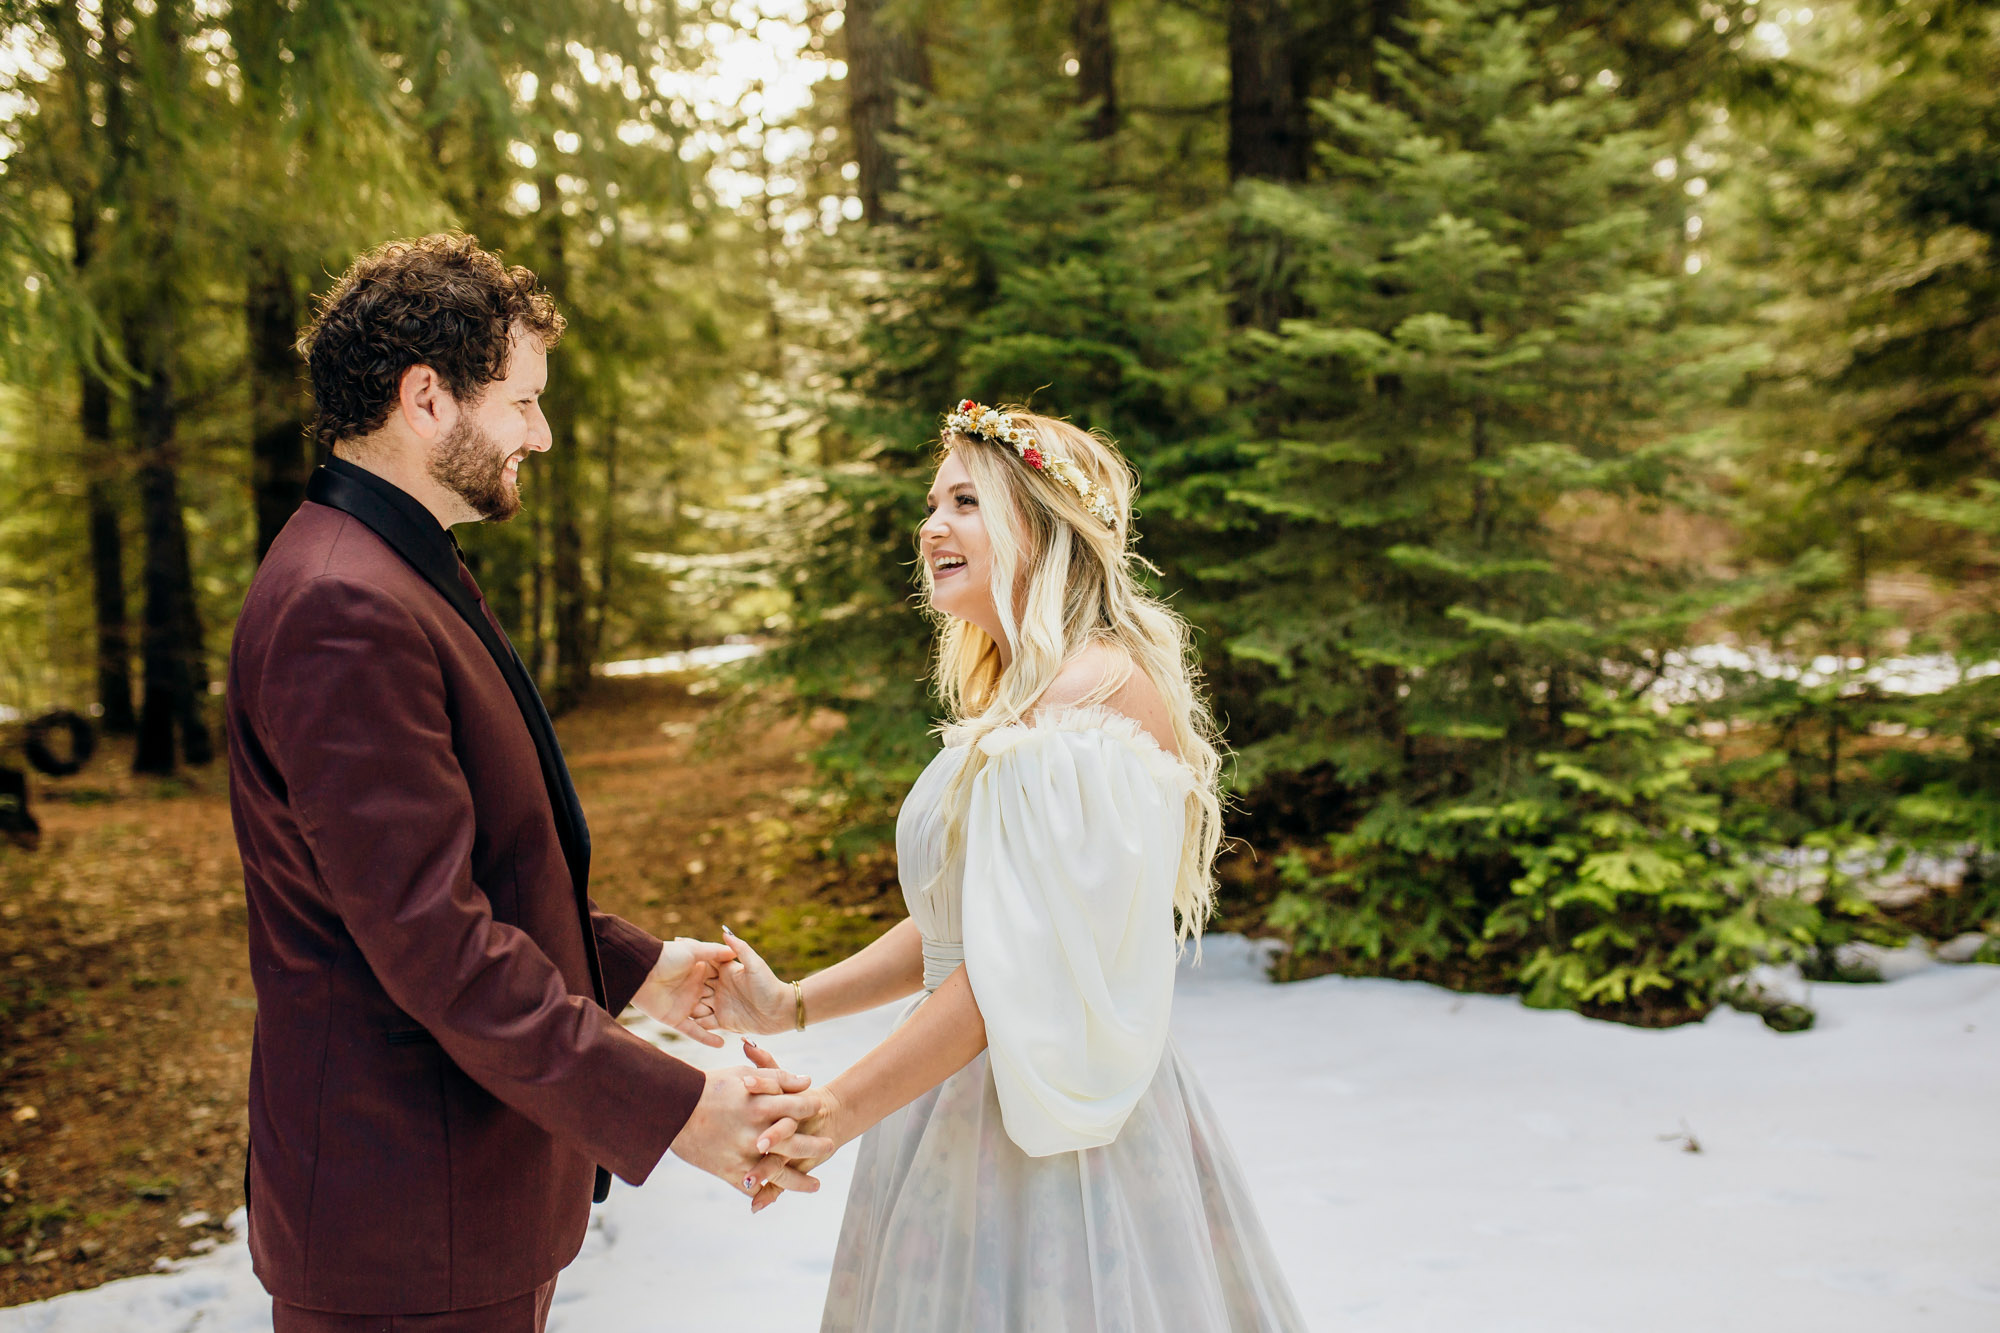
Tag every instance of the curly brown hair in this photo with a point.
(437, 301)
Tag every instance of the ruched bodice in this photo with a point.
(920, 850)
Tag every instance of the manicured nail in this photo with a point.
(763, 1145)
(727, 931)
(750, 1184)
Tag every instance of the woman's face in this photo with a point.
(956, 551)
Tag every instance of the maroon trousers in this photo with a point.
(524, 1314)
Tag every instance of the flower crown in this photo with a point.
(988, 423)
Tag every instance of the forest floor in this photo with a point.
(125, 1000)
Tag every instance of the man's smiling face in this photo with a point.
(479, 459)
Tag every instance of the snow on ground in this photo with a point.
(693, 659)
(1430, 1163)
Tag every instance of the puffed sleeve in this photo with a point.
(1072, 845)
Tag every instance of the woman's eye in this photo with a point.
(968, 501)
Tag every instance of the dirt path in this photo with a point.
(125, 1008)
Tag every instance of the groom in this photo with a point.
(437, 1077)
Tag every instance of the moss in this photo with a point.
(797, 939)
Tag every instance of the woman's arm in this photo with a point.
(937, 1041)
(747, 995)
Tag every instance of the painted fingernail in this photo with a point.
(750, 1184)
(763, 1145)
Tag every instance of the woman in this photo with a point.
(1035, 1153)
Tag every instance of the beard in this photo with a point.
(467, 463)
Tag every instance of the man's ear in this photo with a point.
(427, 406)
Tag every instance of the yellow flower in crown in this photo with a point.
(989, 423)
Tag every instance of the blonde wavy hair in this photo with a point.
(1064, 582)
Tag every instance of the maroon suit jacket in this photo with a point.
(436, 1069)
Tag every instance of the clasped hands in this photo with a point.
(757, 1127)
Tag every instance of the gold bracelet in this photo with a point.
(799, 995)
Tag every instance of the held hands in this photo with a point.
(741, 993)
(744, 995)
(678, 982)
(745, 1129)
(823, 1125)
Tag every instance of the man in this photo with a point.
(437, 1077)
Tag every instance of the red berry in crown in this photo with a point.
(967, 405)
(1032, 456)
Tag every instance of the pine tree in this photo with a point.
(1448, 543)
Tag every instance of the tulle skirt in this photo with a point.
(950, 1228)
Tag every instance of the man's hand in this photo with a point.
(673, 988)
(745, 1129)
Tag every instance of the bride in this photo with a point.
(1035, 1153)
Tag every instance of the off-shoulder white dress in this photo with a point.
(1072, 1177)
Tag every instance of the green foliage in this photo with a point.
(1592, 333)
(1024, 272)
(1491, 394)
(1607, 882)
(1870, 224)
(1431, 527)
(187, 163)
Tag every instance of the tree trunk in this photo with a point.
(1267, 124)
(538, 595)
(279, 459)
(107, 536)
(114, 637)
(1383, 16)
(278, 456)
(607, 539)
(1482, 485)
(170, 643)
(1267, 141)
(909, 52)
(571, 597)
(1096, 81)
(879, 55)
(562, 403)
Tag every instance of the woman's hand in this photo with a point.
(745, 995)
(823, 1123)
